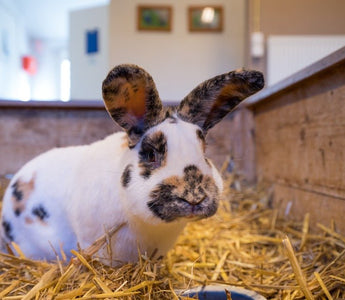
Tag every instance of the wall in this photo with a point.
(288, 54)
(300, 140)
(303, 17)
(294, 17)
(177, 60)
(45, 84)
(13, 44)
(28, 129)
(88, 70)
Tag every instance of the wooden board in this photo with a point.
(300, 139)
(303, 142)
(27, 132)
(234, 138)
(294, 203)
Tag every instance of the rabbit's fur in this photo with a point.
(153, 177)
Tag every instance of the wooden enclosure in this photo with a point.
(299, 141)
(30, 128)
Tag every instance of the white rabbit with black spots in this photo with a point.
(153, 177)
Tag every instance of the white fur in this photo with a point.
(81, 189)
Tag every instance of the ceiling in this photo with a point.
(48, 19)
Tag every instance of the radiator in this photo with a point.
(290, 53)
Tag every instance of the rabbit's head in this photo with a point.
(165, 174)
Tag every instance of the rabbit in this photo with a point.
(153, 176)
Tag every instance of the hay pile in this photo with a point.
(246, 244)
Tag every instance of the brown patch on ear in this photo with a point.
(21, 193)
(132, 100)
(213, 99)
(123, 94)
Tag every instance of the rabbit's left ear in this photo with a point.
(132, 100)
(213, 99)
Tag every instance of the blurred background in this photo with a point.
(63, 49)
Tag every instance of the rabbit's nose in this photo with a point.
(197, 201)
(193, 200)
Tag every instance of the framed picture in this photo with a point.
(205, 18)
(152, 17)
(91, 41)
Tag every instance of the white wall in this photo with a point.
(88, 71)
(287, 54)
(14, 81)
(45, 84)
(15, 42)
(177, 60)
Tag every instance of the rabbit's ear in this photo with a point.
(213, 99)
(132, 100)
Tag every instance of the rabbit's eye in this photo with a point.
(151, 156)
(152, 153)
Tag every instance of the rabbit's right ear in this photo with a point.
(132, 100)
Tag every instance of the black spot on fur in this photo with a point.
(192, 175)
(126, 175)
(135, 88)
(17, 212)
(196, 108)
(153, 153)
(40, 212)
(164, 204)
(126, 94)
(118, 114)
(8, 230)
(17, 194)
(111, 90)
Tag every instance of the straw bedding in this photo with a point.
(245, 244)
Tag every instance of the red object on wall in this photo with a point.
(29, 64)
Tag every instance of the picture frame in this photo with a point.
(154, 17)
(207, 18)
(92, 44)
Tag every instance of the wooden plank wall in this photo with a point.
(234, 138)
(300, 142)
(28, 129)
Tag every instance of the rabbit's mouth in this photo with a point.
(194, 196)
